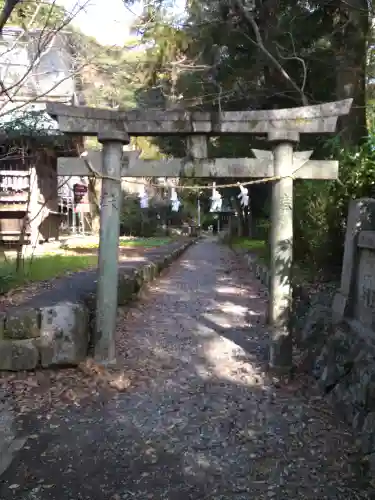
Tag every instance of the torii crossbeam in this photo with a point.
(282, 127)
(237, 168)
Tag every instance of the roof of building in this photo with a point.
(34, 68)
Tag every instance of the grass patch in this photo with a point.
(124, 243)
(257, 247)
(41, 268)
(145, 242)
(248, 244)
(302, 272)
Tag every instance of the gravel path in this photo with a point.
(205, 422)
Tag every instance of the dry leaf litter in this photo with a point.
(190, 412)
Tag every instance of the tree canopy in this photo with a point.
(238, 55)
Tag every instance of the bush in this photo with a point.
(321, 208)
(137, 221)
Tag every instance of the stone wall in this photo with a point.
(336, 342)
(49, 334)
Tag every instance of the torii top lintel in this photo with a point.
(82, 120)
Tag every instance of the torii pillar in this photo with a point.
(106, 294)
(282, 126)
(281, 240)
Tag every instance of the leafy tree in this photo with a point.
(38, 12)
(225, 56)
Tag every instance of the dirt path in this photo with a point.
(205, 423)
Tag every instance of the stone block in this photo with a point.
(361, 217)
(126, 289)
(64, 334)
(24, 325)
(138, 281)
(147, 274)
(164, 262)
(17, 355)
(339, 306)
(340, 355)
(2, 326)
(153, 271)
(367, 436)
(317, 325)
(90, 302)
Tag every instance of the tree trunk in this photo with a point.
(94, 200)
(351, 31)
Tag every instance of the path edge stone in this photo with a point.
(61, 335)
(340, 359)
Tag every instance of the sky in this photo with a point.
(108, 21)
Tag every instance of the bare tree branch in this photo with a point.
(258, 42)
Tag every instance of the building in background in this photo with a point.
(35, 68)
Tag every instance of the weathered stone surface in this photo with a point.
(208, 168)
(125, 289)
(317, 325)
(24, 326)
(17, 355)
(366, 239)
(361, 217)
(367, 437)
(343, 364)
(2, 325)
(364, 296)
(338, 343)
(64, 334)
(339, 305)
(83, 120)
(138, 280)
(341, 354)
(60, 334)
(149, 272)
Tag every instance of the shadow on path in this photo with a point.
(205, 423)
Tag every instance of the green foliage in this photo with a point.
(261, 228)
(248, 244)
(151, 242)
(371, 112)
(223, 69)
(112, 75)
(44, 14)
(211, 62)
(311, 207)
(321, 208)
(145, 222)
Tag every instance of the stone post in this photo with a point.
(361, 217)
(196, 146)
(199, 212)
(107, 287)
(281, 251)
(230, 225)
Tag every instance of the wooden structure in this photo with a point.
(30, 142)
(29, 205)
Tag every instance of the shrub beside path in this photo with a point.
(201, 418)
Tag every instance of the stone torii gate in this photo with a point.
(283, 129)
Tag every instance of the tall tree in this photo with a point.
(351, 30)
(270, 54)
